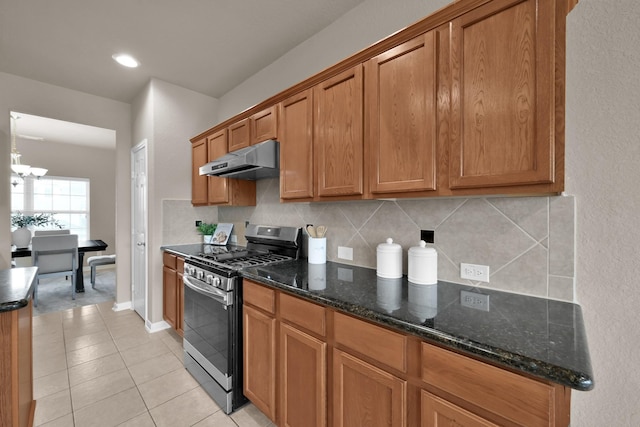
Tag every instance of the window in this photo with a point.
(67, 199)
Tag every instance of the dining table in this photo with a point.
(84, 246)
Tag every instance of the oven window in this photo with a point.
(207, 328)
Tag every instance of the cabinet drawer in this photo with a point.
(169, 260)
(387, 347)
(303, 313)
(259, 296)
(519, 399)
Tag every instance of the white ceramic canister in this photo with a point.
(423, 264)
(389, 260)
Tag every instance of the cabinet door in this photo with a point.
(303, 379)
(259, 340)
(400, 99)
(338, 136)
(239, 135)
(180, 296)
(198, 183)
(264, 125)
(503, 121)
(437, 412)
(218, 186)
(364, 395)
(296, 146)
(169, 295)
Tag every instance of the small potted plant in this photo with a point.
(207, 231)
(21, 236)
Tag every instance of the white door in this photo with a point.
(139, 228)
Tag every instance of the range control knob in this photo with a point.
(216, 282)
(199, 274)
(209, 279)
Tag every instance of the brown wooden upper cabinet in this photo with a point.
(212, 190)
(505, 78)
(198, 183)
(296, 146)
(338, 134)
(264, 125)
(400, 132)
(255, 129)
(468, 101)
(239, 135)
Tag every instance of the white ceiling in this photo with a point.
(209, 46)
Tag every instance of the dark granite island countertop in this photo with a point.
(16, 287)
(541, 337)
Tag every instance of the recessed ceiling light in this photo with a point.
(126, 60)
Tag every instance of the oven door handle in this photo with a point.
(223, 297)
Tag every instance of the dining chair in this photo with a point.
(55, 255)
(50, 232)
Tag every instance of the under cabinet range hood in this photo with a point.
(255, 162)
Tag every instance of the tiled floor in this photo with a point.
(96, 367)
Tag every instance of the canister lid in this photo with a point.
(389, 246)
(422, 250)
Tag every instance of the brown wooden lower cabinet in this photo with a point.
(303, 380)
(173, 291)
(259, 335)
(437, 412)
(309, 365)
(365, 395)
(17, 406)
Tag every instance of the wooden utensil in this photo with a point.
(311, 231)
(321, 230)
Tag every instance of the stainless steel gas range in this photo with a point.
(213, 307)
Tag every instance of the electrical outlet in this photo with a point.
(474, 300)
(427, 235)
(345, 253)
(198, 223)
(475, 272)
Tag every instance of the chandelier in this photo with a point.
(16, 165)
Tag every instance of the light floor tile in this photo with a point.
(145, 351)
(151, 375)
(87, 329)
(52, 407)
(64, 421)
(50, 384)
(154, 368)
(95, 368)
(185, 410)
(111, 411)
(43, 365)
(92, 352)
(250, 416)
(166, 387)
(100, 388)
(143, 420)
(76, 343)
(219, 419)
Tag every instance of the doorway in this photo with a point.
(139, 261)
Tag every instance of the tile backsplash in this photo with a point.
(528, 242)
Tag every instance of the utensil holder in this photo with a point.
(317, 250)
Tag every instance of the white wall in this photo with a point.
(167, 116)
(32, 97)
(362, 26)
(603, 154)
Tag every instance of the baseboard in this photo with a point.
(157, 326)
(122, 306)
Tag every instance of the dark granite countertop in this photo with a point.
(541, 337)
(16, 287)
(538, 336)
